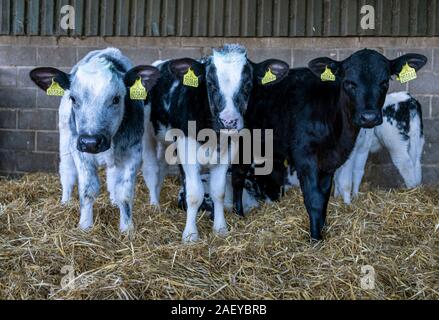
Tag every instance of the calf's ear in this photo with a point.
(181, 67)
(318, 66)
(414, 60)
(271, 71)
(149, 76)
(43, 78)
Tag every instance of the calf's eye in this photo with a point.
(350, 85)
(116, 100)
(73, 100)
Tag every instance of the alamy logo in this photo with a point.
(67, 281)
(233, 147)
(67, 18)
(368, 19)
(368, 278)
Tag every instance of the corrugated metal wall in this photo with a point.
(221, 18)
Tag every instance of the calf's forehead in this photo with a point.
(367, 67)
(229, 64)
(97, 80)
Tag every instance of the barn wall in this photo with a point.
(220, 18)
(28, 118)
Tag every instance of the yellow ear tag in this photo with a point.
(138, 91)
(55, 90)
(190, 79)
(407, 74)
(269, 77)
(286, 164)
(327, 75)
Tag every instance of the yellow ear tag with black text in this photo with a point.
(327, 75)
(269, 77)
(138, 91)
(190, 79)
(55, 90)
(407, 74)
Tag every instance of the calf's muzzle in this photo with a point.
(370, 119)
(93, 144)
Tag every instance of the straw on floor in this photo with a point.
(268, 255)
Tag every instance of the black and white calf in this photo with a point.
(401, 134)
(216, 100)
(100, 126)
(320, 112)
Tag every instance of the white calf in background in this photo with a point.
(401, 134)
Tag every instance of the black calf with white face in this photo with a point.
(364, 81)
(214, 94)
(229, 83)
(229, 78)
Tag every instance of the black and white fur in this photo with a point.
(219, 102)
(100, 126)
(401, 134)
(322, 120)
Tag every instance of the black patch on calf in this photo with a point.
(131, 130)
(185, 104)
(403, 113)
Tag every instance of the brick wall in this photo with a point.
(28, 118)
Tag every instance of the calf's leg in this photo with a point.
(194, 199)
(238, 183)
(124, 177)
(88, 191)
(415, 151)
(325, 183)
(405, 165)
(343, 180)
(151, 167)
(358, 170)
(316, 191)
(218, 176)
(67, 168)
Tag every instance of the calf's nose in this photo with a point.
(230, 124)
(91, 144)
(231, 121)
(370, 119)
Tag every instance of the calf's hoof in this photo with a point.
(85, 226)
(155, 207)
(238, 209)
(126, 228)
(316, 237)
(66, 200)
(190, 237)
(240, 213)
(154, 204)
(221, 231)
(65, 203)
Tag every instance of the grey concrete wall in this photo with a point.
(28, 118)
